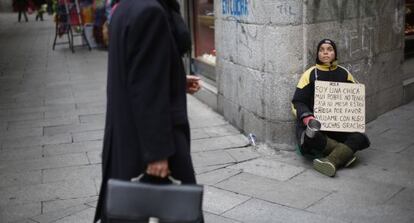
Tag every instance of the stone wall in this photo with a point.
(264, 46)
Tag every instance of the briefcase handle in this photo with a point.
(172, 179)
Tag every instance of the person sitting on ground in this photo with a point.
(330, 150)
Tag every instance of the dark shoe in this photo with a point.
(324, 166)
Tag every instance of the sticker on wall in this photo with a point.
(235, 7)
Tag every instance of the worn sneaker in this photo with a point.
(324, 166)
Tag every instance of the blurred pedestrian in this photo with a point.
(40, 9)
(147, 129)
(331, 150)
(21, 8)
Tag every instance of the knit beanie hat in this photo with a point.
(327, 41)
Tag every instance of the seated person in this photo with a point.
(330, 150)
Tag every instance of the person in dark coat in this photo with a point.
(21, 8)
(147, 129)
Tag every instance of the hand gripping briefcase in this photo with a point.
(136, 202)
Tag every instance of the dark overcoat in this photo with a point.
(146, 118)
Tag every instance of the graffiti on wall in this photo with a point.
(285, 9)
(235, 7)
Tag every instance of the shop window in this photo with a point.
(203, 27)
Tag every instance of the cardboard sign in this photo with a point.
(340, 107)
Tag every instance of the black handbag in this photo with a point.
(135, 201)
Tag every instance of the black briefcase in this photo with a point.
(136, 202)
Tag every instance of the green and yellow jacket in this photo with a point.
(303, 99)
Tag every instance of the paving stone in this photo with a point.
(99, 98)
(3, 126)
(283, 193)
(84, 216)
(290, 157)
(392, 141)
(356, 208)
(36, 141)
(215, 131)
(95, 118)
(206, 169)
(22, 117)
(60, 205)
(59, 101)
(384, 160)
(91, 108)
(88, 136)
(218, 201)
(43, 123)
(19, 105)
(23, 153)
(211, 158)
(243, 154)
(97, 184)
(26, 221)
(379, 174)
(49, 191)
(90, 93)
(44, 108)
(20, 133)
(206, 122)
(72, 173)
(347, 185)
(212, 218)
(268, 168)
(19, 212)
(61, 214)
(70, 148)
(73, 128)
(20, 179)
(261, 211)
(43, 163)
(218, 143)
(403, 199)
(94, 202)
(408, 152)
(94, 157)
(216, 176)
(61, 114)
(198, 134)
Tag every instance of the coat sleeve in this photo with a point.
(148, 82)
(302, 97)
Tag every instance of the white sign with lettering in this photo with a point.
(340, 107)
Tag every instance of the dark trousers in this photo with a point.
(24, 14)
(315, 146)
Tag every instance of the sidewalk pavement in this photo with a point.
(52, 106)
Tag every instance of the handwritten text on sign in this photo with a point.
(340, 107)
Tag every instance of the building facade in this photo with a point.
(261, 48)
